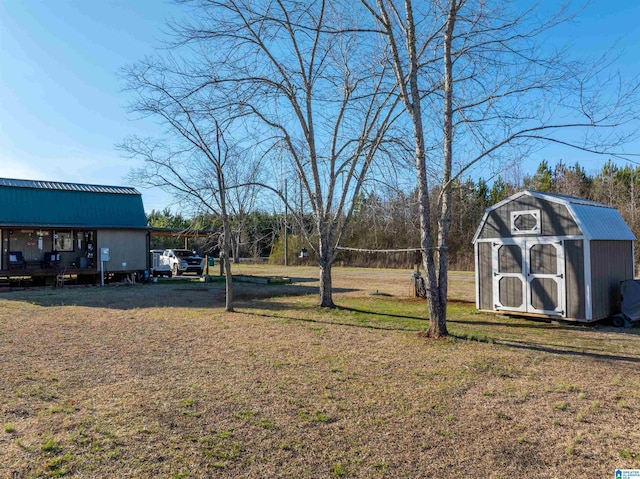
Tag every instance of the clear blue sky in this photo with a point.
(61, 106)
(62, 111)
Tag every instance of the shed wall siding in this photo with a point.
(485, 283)
(611, 262)
(125, 246)
(574, 273)
(555, 219)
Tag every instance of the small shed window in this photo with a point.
(525, 222)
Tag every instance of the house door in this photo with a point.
(528, 276)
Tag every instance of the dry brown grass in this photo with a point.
(157, 381)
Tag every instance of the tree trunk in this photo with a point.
(225, 247)
(435, 300)
(228, 281)
(437, 320)
(236, 248)
(326, 295)
(325, 261)
(225, 258)
(438, 301)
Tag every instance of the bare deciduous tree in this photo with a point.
(192, 160)
(242, 200)
(478, 85)
(308, 86)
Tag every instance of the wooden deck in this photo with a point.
(36, 275)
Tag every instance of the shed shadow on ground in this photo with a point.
(552, 349)
(525, 324)
(534, 324)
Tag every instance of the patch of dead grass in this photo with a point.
(157, 381)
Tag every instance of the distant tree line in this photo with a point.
(254, 233)
(389, 220)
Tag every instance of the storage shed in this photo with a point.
(552, 255)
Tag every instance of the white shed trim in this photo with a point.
(476, 259)
(588, 299)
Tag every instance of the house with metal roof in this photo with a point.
(552, 255)
(48, 228)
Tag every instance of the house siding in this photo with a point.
(125, 246)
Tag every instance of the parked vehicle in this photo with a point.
(183, 261)
(159, 267)
(170, 262)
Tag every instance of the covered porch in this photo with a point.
(47, 252)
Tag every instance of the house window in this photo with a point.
(525, 222)
(63, 241)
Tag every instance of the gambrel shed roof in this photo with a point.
(74, 205)
(595, 221)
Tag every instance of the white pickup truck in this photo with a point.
(175, 262)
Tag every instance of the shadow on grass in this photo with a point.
(336, 323)
(295, 279)
(546, 348)
(531, 346)
(460, 301)
(549, 324)
(258, 300)
(545, 325)
(535, 324)
(566, 351)
(179, 294)
(249, 293)
(377, 313)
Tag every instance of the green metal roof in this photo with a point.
(53, 204)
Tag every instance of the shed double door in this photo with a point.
(528, 276)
